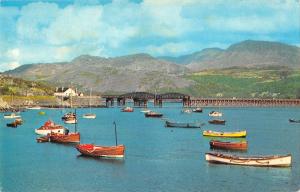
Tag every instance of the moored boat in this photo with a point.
(70, 120)
(262, 161)
(215, 144)
(42, 113)
(89, 116)
(182, 125)
(197, 110)
(217, 121)
(224, 134)
(127, 109)
(11, 116)
(294, 121)
(50, 127)
(215, 114)
(153, 114)
(145, 111)
(101, 151)
(186, 111)
(68, 115)
(92, 150)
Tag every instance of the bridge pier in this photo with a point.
(109, 102)
(121, 101)
(140, 102)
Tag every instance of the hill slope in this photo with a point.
(244, 54)
(138, 72)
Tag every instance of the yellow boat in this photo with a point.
(224, 134)
(42, 113)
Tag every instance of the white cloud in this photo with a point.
(171, 48)
(47, 32)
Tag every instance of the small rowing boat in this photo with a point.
(127, 109)
(224, 134)
(182, 125)
(261, 161)
(215, 114)
(215, 144)
(153, 114)
(217, 121)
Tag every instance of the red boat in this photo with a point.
(127, 109)
(65, 138)
(101, 151)
(153, 114)
(242, 145)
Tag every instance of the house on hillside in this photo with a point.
(65, 92)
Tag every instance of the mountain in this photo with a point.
(244, 54)
(139, 72)
(205, 54)
(142, 72)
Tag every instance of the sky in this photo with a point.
(59, 30)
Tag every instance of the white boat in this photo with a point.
(70, 120)
(145, 111)
(215, 114)
(50, 127)
(186, 111)
(11, 116)
(261, 161)
(89, 116)
(34, 108)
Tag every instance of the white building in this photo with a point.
(65, 92)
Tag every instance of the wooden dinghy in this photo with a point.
(92, 150)
(182, 125)
(224, 134)
(101, 151)
(217, 121)
(153, 114)
(215, 144)
(261, 161)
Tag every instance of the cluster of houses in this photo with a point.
(66, 92)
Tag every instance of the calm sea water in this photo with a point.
(157, 158)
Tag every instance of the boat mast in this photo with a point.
(90, 100)
(116, 136)
(75, 121)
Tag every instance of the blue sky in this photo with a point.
(53, 31)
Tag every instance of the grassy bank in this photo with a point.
(247, 83)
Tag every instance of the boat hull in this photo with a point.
(101, 151)
(63, 138)
(182, 125)
(260, 161)
(225, 134)
(228, 145)
(70, 121)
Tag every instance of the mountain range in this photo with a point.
(142, 72)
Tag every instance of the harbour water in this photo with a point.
(156, 158)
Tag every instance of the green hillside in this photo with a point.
(247, 83)
(16, 86)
